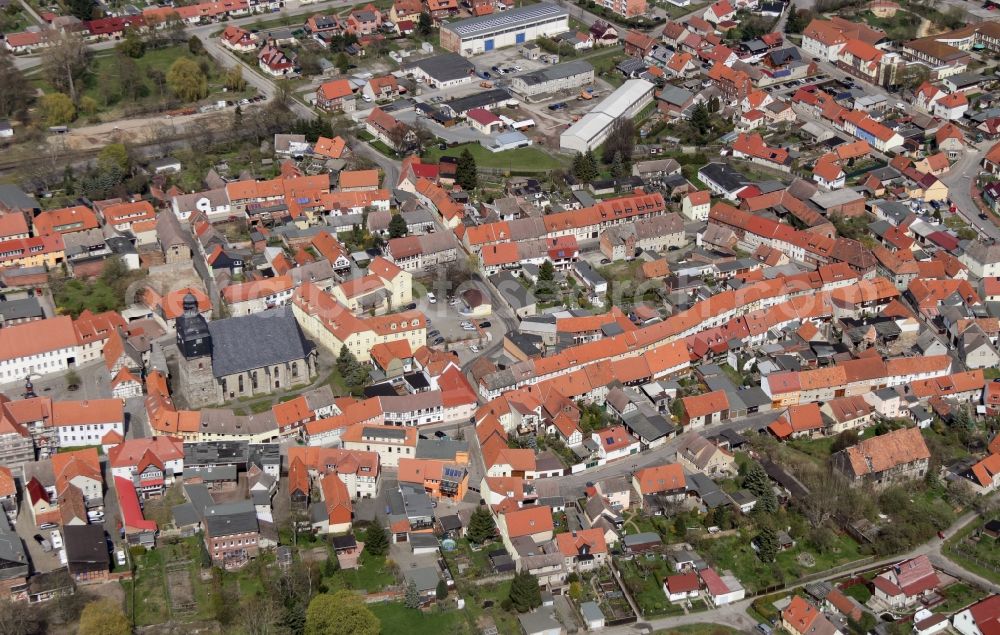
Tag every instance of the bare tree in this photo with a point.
(823, 501)
(399, 137)
(65, 62)
(260, 616)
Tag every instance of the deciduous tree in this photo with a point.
(132, 44)
(234, 79)
(340, 613)
(17, 94)
(57, 109)
(186, 80)
(621, 140)
(65, 62)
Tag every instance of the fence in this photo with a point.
(500, 577)
(819, 575)
(972, 558)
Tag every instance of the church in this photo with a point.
(241, 357)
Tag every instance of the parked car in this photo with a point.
(56, 537)
(411, 306)
(983, 216)
(434, 333)
(474, 348)
(120, 557)
(438, 340)
(431, 297)
(485, 325)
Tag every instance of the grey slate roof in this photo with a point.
(14, 198)
(558, 71)
(425, 578)
(231, 518)
(273, 336)
(185, 514)
(440, 448)
(21, 309)
(15, 562)
(443, 68)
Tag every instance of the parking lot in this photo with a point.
(41, 562)
(444, 320)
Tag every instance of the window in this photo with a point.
(241, 383)
(295, 369)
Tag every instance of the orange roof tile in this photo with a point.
(528, 521)
(660, 478)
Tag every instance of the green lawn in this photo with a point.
(643, 578)
(985, 551)
(475, 596)
(373, 575)
(396, 618)
(145, 593)
(734, 553)
(957, 597)
(902, 26)
(816, 448)
(521, 160)
(859, 592)
(104, 84)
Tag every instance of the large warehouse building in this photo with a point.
(507, 28)
(552, 79)
(594, 127)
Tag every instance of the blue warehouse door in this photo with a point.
(519, 38)
(489, 45)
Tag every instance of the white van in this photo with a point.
(56, 537)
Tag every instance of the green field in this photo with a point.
(396, 618)
(643, 577)
(372, 576)
(104, 83)
(734, 553)
(979, 557)
(521, 159)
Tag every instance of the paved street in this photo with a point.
(960, 179)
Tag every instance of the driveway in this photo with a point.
(41, 562)
(459, 133)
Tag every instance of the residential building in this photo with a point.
(884, 460)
